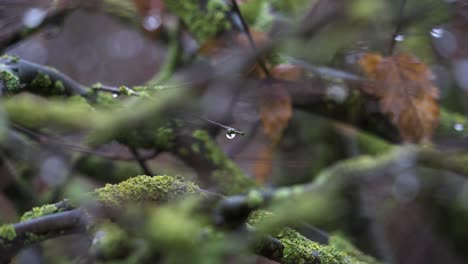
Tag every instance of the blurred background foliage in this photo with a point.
(397, 218)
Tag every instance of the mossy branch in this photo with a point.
(18, 75)
(17, 236)
(159, 189)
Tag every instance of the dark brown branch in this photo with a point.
(141, 161)
(28, 71)
(245, 28)
(43, 228)
(398, 27)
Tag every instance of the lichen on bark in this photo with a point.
(7, 232)
(298, 249)
(37, 212)
(145, 188)
(204, 22)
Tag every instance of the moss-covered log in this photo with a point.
(18, 75)
(17, 236)
(158, 189)
(298, 249)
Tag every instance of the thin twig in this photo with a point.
(141, 161)
(237, 148)
(116, 90)
(249, 37)
(43, 228)
(398, 27)
(227, 128)
(41, 138)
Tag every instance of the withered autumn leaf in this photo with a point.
(406, 93)
(275, 113)
(262, 167)
(275, 109)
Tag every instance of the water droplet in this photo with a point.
(115, 95)
(152, 22)
(437, 32)
(34, 17)
(230, 134)
(338, 93)
(399, 38)
(458, 127)
(100, 235)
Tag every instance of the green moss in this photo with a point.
(110, 241)
(126, 91)
(180, 223)
(298, 249)
(37, 212)
(102, 99)
(352, 167)
(97, 86)
(41, 83)
(196, 148)
(365, 9)
(10, 58)
(282, 193)
(228, 177)
(452, 125)
(204, 22)
(371, 144)
(35, 112)
(59, 88)
(145, 188)
(10, 80)
(105, 100)
(342, 244)
(7, 232)
(78, 100)
(258, 14)
(186, 238)
(164, 137)
(212, 151)
(254, 198)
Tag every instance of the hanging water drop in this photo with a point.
(34, 17)
(459, 127)
(399, 38)
(152, 22)
(437, 32)
(115, 95)
(230, 134)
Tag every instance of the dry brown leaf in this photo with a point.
(260, 39)
(404, 88)
(262, 168)
(275, 109)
